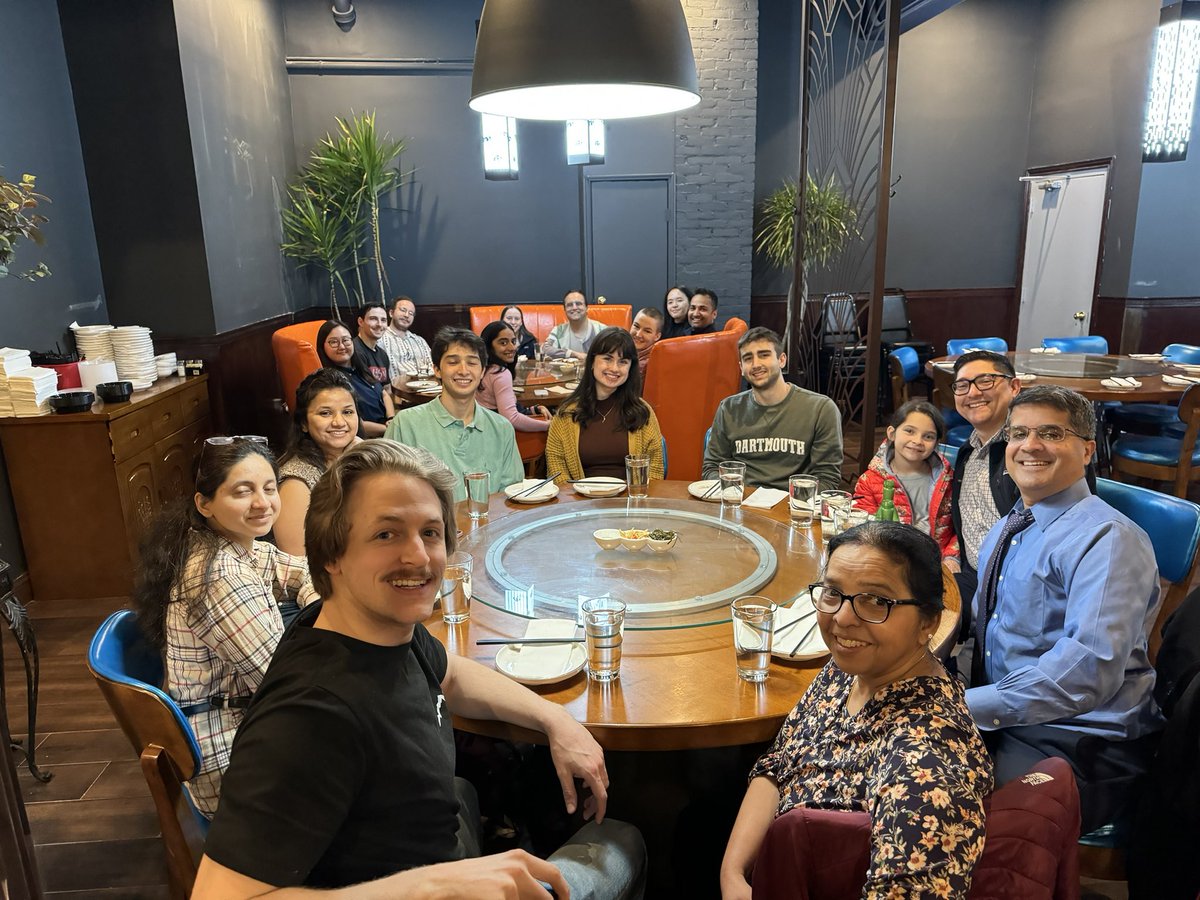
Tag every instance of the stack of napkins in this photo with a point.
(765, 498)
(11, 361)
(31, 389)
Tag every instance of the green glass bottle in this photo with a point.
(887, 509)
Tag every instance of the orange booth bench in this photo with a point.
(541, 318)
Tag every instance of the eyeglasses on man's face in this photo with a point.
(1049, 434)
(870, 608)
(984, 382)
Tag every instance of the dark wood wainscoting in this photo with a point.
(1150, 323)
(936, 315)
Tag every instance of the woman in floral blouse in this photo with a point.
(882, 729)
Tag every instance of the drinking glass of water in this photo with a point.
(456, 588)
(604, 629)
(637, 476)
(733, 483)
(802, 494)
(753, 632)
(479, 486)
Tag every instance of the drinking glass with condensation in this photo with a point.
(753, 632)
(479, 487)
(456, 588)
(802, 495)
(604, 630)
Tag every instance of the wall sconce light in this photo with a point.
(1172, 98)
(499, 148)
(559, 60)
(585, 142)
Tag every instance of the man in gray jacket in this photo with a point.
(775, 428)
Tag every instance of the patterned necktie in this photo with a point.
(1017, 521)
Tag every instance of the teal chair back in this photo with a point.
(1188, 354)
(958, 346)
(1090, 343)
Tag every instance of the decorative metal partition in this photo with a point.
(847, 110)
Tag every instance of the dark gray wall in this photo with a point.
(962, 118)
(1089, 100)
(40, 136)
(239, 115)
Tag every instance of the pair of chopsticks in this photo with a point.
(541, 484)
(488, 642)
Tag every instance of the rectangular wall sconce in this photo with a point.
(499, 147)
(585, 142)
(1170, 106)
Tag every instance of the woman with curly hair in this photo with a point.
(605, 419)
(209, 596)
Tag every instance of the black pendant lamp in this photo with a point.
(583, 59)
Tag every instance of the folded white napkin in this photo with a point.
(1037, 349)
(559, 389)
(1180, 380)
(544, 660)
(1146, 356)
(765, 498)
(944, 366)
(1026, 377)
(541, 393)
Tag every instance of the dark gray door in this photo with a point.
(629, 240)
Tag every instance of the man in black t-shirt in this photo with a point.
(368, 355)
(342, 773)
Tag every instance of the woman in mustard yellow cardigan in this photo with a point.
(606, 418)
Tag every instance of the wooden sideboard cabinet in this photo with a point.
(86, 485)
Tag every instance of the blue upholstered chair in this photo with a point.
(664, 446)
(1091, 343)
(958, 346)
(1154, 418)
(1162, 458)
(904, 368)
(128, 672)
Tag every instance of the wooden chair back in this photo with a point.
(182, 835)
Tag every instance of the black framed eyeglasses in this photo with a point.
(868, 607)
(1050, 434)
(984, 382)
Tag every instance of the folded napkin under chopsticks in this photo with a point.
(1121, 384)
(765, 498)
(1180, 380)
(545, 660)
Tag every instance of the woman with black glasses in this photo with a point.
(883, 728)
(210, 595)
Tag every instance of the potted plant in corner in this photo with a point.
(19, 221)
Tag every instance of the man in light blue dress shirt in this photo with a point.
(1065, 669)
(453, 426)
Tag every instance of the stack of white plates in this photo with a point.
(134, 353)
(94, 341)
(166, 364)
(30, 389)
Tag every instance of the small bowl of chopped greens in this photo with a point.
(660, 540)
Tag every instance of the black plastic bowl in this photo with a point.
(115, 391)
(72, 401)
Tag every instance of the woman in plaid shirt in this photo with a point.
(209, 595)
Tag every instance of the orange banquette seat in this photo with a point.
(541, 318)
(295, 349)
(684, 403)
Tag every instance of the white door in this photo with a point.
(1065, 217)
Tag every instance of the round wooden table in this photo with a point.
(679, 687)
(1148, 372)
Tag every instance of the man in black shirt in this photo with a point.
(342, 774)
(702, 311)
(368, 355)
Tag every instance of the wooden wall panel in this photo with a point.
(1108, 315)
(1152, 323)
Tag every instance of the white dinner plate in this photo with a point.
(600, 486)
(543, 494)
(699, 488)
(792, 645)
(508, 657)
(422, 385)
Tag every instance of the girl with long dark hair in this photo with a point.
(324, 425)
(496, 386)
(209, 593)
(605, 418)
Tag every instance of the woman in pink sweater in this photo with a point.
(496, 387)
